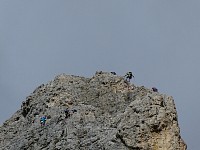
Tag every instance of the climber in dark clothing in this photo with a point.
(67, 113)
(129, 76)
(74, 110)
(114, 73)
(43, 120)
(154, 89)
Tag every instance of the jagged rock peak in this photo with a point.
(104, 112)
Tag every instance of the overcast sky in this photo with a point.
(157, 40)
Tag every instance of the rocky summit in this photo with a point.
(104, 112)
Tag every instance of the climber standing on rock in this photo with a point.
(43, 120)
(129, 76)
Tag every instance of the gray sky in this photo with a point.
(157, 40)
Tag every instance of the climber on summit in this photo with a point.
(43, 120)
(154, 89)
(129, 76)
(114, 73)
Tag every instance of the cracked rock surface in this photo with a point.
(106, 113)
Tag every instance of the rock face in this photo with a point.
(106, 113)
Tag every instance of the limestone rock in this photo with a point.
(106, 113)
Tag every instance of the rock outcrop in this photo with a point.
(109, 114)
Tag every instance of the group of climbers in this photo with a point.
(67, 112)
(129, 75)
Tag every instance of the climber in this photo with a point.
(114, 73)
(129, 76)
(43, 120)
(74, 110)
(67, 113)
(154, 89)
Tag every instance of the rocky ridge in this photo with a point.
(111, 114)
